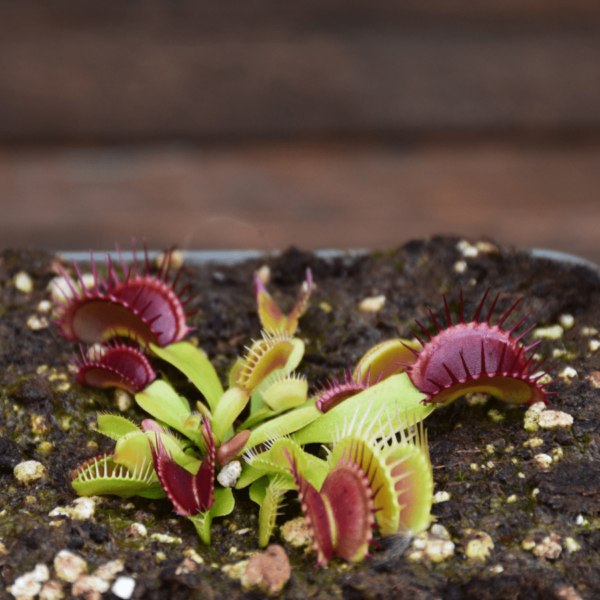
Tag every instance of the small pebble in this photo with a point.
(123, 400)
(593, 345)
(193, 555)
(568, 373)
(230, 473)
(528, 544)
(477, 398)
(594, 379)
(44, 306)
(236, 570)
(512, 499)
(581, 520)
(549, 548)
(460, 266)
(137, 530)
(532, 417)
(486, 247)
(60, 290)
(441, 497)
(23, 282)
(373, 304)
(533, 442)
(543, 460)
(166, 539)
(585, 331)
(267, 571)
(550, 419)
(36, 323)
(109, 570)
(571, 545)
(123, 587)
(80, 509)
(29, 585)
(39, 424)
(296, 533)
(90, 587)
(29, 472)
(567, 592)
(567, 321)
(68, 566)
(440, 531)
(495, 416)
(497, 569)
(325, 307)
(433, 546)
(52, 590)
(467, 249)
(479, 545)
(553, 332)
(187, 565)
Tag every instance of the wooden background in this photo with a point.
(260, 124)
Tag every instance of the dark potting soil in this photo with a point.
(481, 453)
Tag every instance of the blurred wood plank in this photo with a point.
(113, 71)
(406, 80)
(202, 16)
(269, 197)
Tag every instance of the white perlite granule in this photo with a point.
(68, 566)
(29, 585)
(29, 471)
(230, 473)
(123, 587)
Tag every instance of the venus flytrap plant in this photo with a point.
(465, 357)
(340, 516)
(178, 471)
(376, 465)
(268, 493)
(139, 305)
(270, 315)
(115, 365)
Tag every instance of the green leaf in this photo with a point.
(224, 502)
(134, 447)
(258, 489)
(114, 426)
(231, 404)
(191, 361)
(103, 476)
(395, 396)
(248, 476)
(287, 423)
(223, 505)
(268, 493)
(165, 404)
(258, 417)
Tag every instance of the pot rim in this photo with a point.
(232, 257)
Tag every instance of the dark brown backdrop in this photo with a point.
(256, 123)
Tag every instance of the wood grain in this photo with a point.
(123, 71)
(270, 197)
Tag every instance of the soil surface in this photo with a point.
(482, 454)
